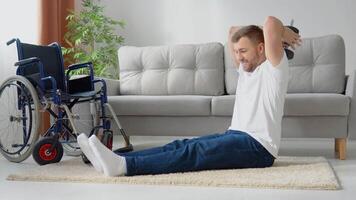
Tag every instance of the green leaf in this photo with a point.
(92, 36)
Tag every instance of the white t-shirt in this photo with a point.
(259, 103)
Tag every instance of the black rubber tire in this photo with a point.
(85, 159)
(42, 156)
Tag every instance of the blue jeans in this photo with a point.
(232, 149)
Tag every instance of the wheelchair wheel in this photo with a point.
(85, 159)
(19, 118)
(48, 150)
(70, 145)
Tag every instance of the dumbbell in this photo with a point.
(290, 53)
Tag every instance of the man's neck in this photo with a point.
(262, 60)
(259, 64)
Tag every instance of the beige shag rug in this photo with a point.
(286, 173)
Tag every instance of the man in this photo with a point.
(254, 135)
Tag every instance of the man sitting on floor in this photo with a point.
(254, 136)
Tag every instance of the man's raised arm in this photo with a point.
(274, 35)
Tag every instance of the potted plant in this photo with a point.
(91, 37)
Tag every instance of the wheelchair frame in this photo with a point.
(49, 149)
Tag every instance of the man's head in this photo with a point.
(248, 46)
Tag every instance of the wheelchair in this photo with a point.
(42, 85)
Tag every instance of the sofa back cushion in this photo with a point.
(172, 70)
(318, 66)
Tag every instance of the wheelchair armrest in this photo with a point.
(24, 63)
(79, 66)
(27, 61)
(53, 82)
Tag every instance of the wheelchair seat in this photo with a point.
(83, 94)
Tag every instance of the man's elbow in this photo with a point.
(272, 25)
(271, 19)
(269, 22)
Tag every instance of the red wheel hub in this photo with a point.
(46, 154)
(109, 145)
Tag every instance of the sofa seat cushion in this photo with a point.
(316, 104)
(223, 105)
(301, 104)
(173, 105)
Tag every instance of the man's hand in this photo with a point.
(276, 35)
(233, 30)
(291, 38)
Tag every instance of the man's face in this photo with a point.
(248, 53)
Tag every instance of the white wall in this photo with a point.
(156, 22)
(18, 18)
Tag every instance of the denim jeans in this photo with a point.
(229, 150)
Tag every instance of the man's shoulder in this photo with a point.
(283, 63)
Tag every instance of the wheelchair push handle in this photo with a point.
(12, 41)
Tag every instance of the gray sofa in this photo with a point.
(189, 90)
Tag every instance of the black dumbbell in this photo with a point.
(290, 53)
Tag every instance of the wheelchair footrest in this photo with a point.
(124, 149)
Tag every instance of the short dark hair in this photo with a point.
(254, 33)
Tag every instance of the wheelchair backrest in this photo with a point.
(50, 57)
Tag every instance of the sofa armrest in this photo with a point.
(351, 92)
(112, 86)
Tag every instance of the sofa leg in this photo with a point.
(336, 145)
(340, 148)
